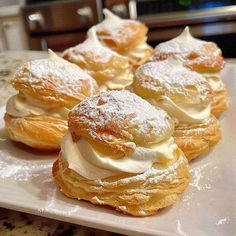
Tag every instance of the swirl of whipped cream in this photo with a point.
(118, 82)
(214, 80)
(185, 113)
(92, 164)
(139, 51)
(19, 106)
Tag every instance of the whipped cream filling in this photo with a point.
(118, 82)
(19, 106)
(214, 80)
(92, 164)
(139, 51)
(185, 113)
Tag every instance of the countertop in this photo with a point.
(14, 223)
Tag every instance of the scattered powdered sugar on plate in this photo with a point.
(14, 169)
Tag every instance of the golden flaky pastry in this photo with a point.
(108, 68)
(200, 56)
(43, 132)
(119, 152)
(127, 37)
(197, 139)
(48, 88)
(187, 97)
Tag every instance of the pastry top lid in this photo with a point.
(54, 81)
(198, 55)
(93, 52)
(183, 43)
(170, 78)
(120, 34)
(120, 120)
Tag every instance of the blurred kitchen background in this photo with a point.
(59, 24)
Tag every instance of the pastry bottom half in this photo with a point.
(197, 139)
(219, 103)
(41, 132)
(136, 194)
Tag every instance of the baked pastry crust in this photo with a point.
(119, 132)
(108, 68)
(138, 195)
(156, 79)
(56, 83)
(125, 36)
(200, 56)
(196, 139)
(207, 58)
(117, 37)
(52, 83)
(41, 132)
(219, 101)
(112, 119)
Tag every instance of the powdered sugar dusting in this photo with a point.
(93, 47)
(20, 169)
(55, 72)
(127, 112)
(184, 43)
(173, 77)
(115, 27)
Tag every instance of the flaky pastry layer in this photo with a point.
(138, 195)
(125, 37)
(101, 70)
(42, 132)
(207, 58)
(196, 139)
(157, 79)
(219, 102)
(119, 120)
(54, 82)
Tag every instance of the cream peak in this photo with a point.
(186, 33)
(109, 15)
(54, 56)
(92, 37)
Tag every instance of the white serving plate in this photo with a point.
(208, 207)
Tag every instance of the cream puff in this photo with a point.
(127, 37)
(47, 90)
(108, 68)
(119, 152)
(186, 96)
(200, 56)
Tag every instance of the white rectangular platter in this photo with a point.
(208, 207)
